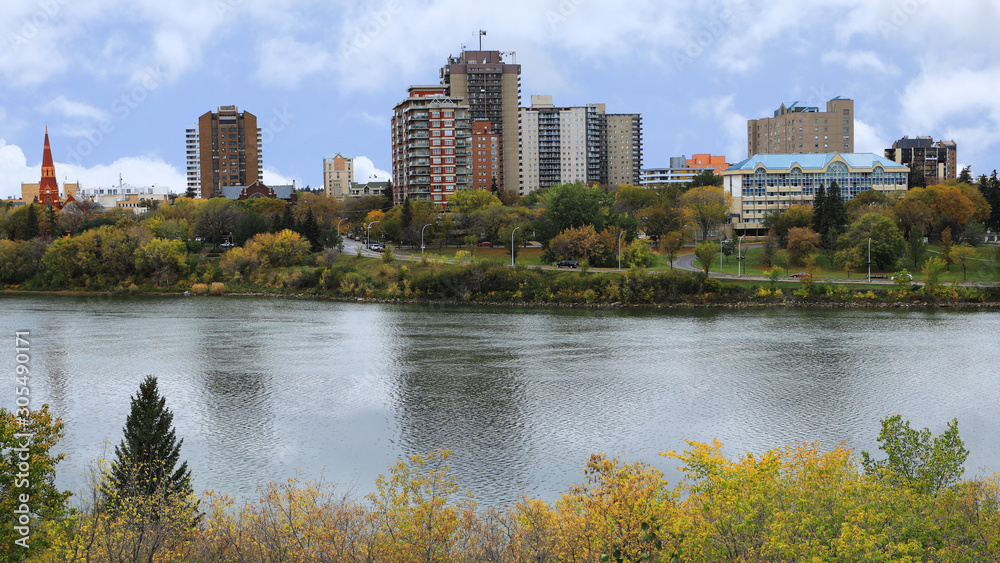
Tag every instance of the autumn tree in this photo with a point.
(946, 244)
(671, 245)
(575, 243)
(30, 502)
(965, 255)
(215, 219)
(707, 207)
(802, 241)
(784, 220)
(915, 245)
(468, 201)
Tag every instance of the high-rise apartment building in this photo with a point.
(338, 173)
(485, 156)
(938, 161)
(802, 129)
(224, 150)
(431, 134)
(577, 144)
(491, 89)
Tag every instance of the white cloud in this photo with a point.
(859, 61)
(365, 171)
(14, 170)
(274, 178)
(868, 139)
(732, 124)
(285, 62)
(68, 108)
(136, 170)
(382, 121)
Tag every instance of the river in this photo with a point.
(267, 389)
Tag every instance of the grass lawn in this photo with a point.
(985, 268)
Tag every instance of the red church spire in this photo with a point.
(48, 188)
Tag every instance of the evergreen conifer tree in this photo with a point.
(834, 209)
(311, 230)
(146, 460)
(819, 205)
(287, 219)
(31, 227)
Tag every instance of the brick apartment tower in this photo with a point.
(485, 156)
(492, 90)
(224, 150)
(431, 134)
(798, 128)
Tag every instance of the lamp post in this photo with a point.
(620, 250)
(422, 237)
(869, 259)
(739, 256)
(368, 233)
(338, 225)
(512, 245)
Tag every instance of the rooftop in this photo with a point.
(863, 160)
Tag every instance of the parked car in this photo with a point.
(485, 244)
(376, 247)
(567, 264)
(802, 275)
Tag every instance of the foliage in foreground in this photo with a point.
(797, 503)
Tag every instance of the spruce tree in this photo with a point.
(311, 230)
(31, 227)
(146, 460)
(819, 208)
(834, 209)
(287, 219)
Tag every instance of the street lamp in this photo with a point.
(694, 233)
(422, 237)
(869, 259)
(512, 245)
(338, 225)
(739, 256)
(368, 233)
(620, 250)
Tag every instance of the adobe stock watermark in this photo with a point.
(278, 122)
(563, 11)
(121, 108)
(711, 32)
(362, 35)
(900, 16)
(223, 7)
(22, 442)
(48, 10)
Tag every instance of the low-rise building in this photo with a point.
(259, 189)
(371, 189)
(772, 182)
(683, 170)
(126, 196)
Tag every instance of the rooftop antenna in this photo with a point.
(482, 32)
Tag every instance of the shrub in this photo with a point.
(199, 289)
(217, 288)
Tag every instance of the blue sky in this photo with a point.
(118, 81)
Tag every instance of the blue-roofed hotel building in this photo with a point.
(772, 182)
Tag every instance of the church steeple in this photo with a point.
(48, 188)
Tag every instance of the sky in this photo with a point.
(117, 82)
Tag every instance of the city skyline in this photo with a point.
(118, 83)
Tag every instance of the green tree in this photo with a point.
(573, 206)
(887, 243)
(916, 460)
(785, 220)
(933, 268)
(312, 232)
(249, 225)
(706, 177)
(915, 246)
(965, 176)
(146, 460)
(706, 252)
(30, 503)
(706, 206)
(916, 179)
